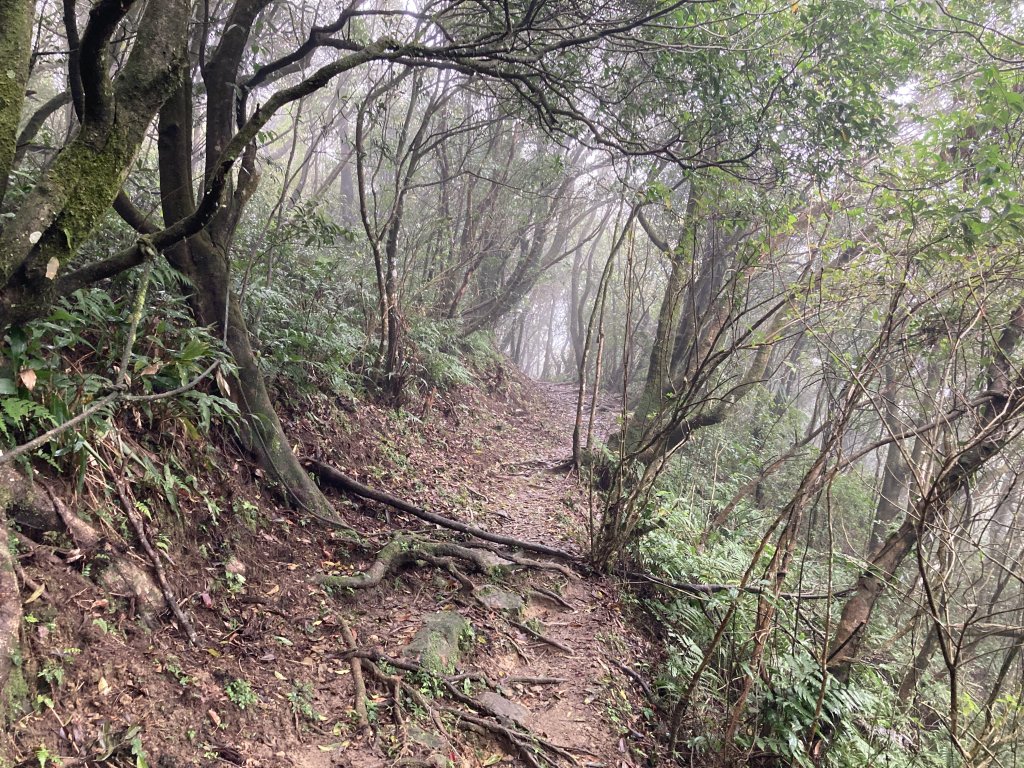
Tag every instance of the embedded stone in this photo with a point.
(504, 709)
(495, 599)
(437, 645)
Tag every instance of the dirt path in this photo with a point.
(499, 461)
(270, 685)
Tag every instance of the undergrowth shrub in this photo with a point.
(707, 639)
(52, 369)
(308, 349)
(311, 305)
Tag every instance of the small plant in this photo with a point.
(172, 668)
(138, 752)
(234, 583)
(52, 673)
(430, 685)
(241, 694)
(248, 512)
(44, 756)
(301, 699)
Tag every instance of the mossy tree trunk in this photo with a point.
(77, 189)
(13, 689)
(15, 48)
(205, 257)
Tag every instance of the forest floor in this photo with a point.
(270, 682)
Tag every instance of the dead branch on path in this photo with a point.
(154, 558)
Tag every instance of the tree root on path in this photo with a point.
(407, 550)
(337, 479)
(527, 562)
(362, 713)
(472, 715)
(542, 637)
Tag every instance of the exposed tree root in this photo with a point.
(473, 715)
(357, 680)
(328, 475)
(542, 637)
(554, 597)
(158, 568)
(123, 575)
(404, 550)
(527, 562)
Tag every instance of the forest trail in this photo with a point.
(271, 684)
(503, 461)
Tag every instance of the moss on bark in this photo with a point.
(15, 48)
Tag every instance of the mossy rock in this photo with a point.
(437, 646)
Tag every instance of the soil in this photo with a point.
(270, 682)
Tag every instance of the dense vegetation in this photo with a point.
(782, 242)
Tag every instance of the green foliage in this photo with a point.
(300, 697)
(434, 357)
(304, 346)
(790, 705)
(52, 369)
(798, 707)
(241, 693)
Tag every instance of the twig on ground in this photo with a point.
(640, 682)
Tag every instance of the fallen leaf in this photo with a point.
(222, 383)
(51, 267)
(214, 717)
(273, 590)
(28, 378)
(103, 686)
(35, 595)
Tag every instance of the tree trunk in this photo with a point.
(15, 49)
(76, 190)
(206, 265)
